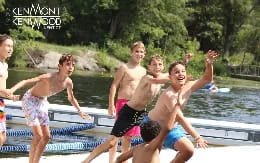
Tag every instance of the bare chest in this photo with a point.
(183, 98)
(133, 75)
(56, 86)
(3, 70)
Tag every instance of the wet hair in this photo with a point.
(139, 44)
(3, 38)
(66, 58)
(149, 130)
(174, 64)
(156, 57)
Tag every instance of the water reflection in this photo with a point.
(239, 105)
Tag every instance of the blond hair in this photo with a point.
(138, 44)
(156, 57)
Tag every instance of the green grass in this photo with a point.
(75, 49)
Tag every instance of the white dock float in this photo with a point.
(243, 154)
(215, 132)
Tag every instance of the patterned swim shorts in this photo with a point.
(2, 116)
(36, 109)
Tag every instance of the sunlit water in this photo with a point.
(241, 104)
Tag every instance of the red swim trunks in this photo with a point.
(2, 113)
(135, 131)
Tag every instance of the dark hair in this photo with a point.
(149, 130)
(156, 56)
(3, 38)
(66, 57)
(174, 64)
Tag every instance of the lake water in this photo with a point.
(241, 104)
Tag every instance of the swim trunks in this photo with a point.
(172, 137)
(36, 109)
(127, 118)
(2, 116)
(207, 86)
(2, 110)
(135, 131)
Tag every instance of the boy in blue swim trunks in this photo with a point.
(179, 93)
(35, 104)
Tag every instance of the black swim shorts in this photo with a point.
(127, 119)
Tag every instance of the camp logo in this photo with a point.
(37, 17)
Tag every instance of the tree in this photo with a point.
(2, 2)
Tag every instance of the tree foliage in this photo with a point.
(168, 27)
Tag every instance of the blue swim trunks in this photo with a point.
(174, 135)
(207, 86)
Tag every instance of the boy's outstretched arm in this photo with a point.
(112, 93)
(200, 142)
(74, 101)
(125, 156)
(187, 57)
(8, 94)
(26, 82)
(164, 78)
(208, 75)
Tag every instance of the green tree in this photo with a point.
(2, 2)
(236, 14)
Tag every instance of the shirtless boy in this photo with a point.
(131, 113)
(149, 151)
(35, 104)
(127, 78)
(179, 92)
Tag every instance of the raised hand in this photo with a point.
(188, 56)
(211, 56)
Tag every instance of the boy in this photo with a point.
(179, 92)
(6, 50)
(35, 104)
(149, 151)
(127, 78)
(131, 113)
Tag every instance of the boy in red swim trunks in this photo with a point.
(127, 78)
(131, 113)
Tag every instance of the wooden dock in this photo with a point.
(250, 72)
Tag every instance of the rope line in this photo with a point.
(8, 116)
(55, 131)
(65, 133)
(65, 146)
